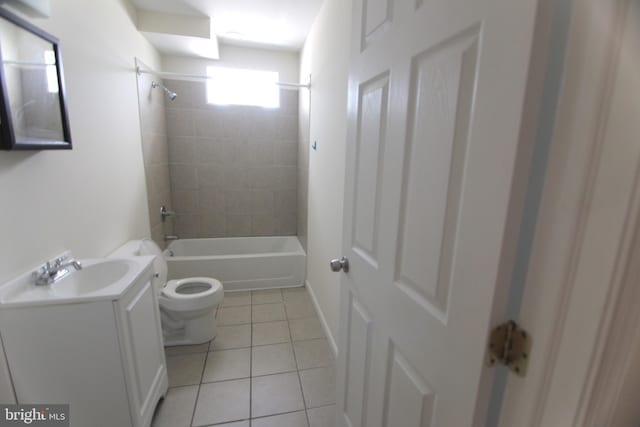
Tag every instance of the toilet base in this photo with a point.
(192, 331)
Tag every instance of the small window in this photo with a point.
(231, 86)
(52, 73)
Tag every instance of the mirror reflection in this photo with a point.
(31, 86)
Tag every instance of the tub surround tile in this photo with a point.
(230, 337)
(268, 312)
(318, 386)
(183, 177)
(189, 201)
(210, 175)
(225, 155)
(213, 225)
(180, 123)
(187, 226)
(238, 225)
(211, 201)
(286, 201)
(286, 224)
(306, 329)
(176, 409)
(262, 177)
(286, 153)
(185, 369)
(227, 365)
(234, 315)
(270, 333)
(286, 178)
(261, 152)
(263, 225)
(236, 178)
(237, 202)
(182, 150)
(222, 402)
(272, 359)
(276, 394)
(263, 202)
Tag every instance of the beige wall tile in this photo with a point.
(213, 225)
(226, 164)
(187, 226)
(286, 153)
(263, 225)
(180, 123)
(263, 202)
(183, 177)
(238, 225)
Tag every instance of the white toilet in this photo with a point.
(187, 306)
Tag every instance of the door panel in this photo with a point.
(377, 19)
(436, 92)
(370, 145)
(409, 399)
(441, 88)
(358, 354)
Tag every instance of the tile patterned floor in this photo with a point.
(269, 366)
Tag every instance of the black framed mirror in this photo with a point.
(33, 112)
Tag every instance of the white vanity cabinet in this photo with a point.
(103, 355)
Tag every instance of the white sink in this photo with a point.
(93, 277)
(98, 279)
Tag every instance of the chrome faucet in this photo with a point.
(164, 213)
(55, 270)
(168, 238)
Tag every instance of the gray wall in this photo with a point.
(233, 168)
(155, 152)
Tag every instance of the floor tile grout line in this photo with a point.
(261, 417)
(195, 406)
(251, 369)
(295, 357)
(204, 367)
(251, 358)
(297, 370)
(251, 323)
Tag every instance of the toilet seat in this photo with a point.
(192, 293)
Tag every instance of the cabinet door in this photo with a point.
(141, 336)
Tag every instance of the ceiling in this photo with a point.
(279, 24)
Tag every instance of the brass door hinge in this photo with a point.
(510, 345)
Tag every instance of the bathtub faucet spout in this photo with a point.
(170, 237)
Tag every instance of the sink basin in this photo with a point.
(93, 277)
(98, 279)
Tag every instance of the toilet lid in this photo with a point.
(192, 288)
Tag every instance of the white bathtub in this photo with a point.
(240, 263)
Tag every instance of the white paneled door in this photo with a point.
(436, 93)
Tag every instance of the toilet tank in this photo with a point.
(145, 247)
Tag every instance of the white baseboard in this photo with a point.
(323, 321)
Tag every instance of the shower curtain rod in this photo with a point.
(143, 68)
